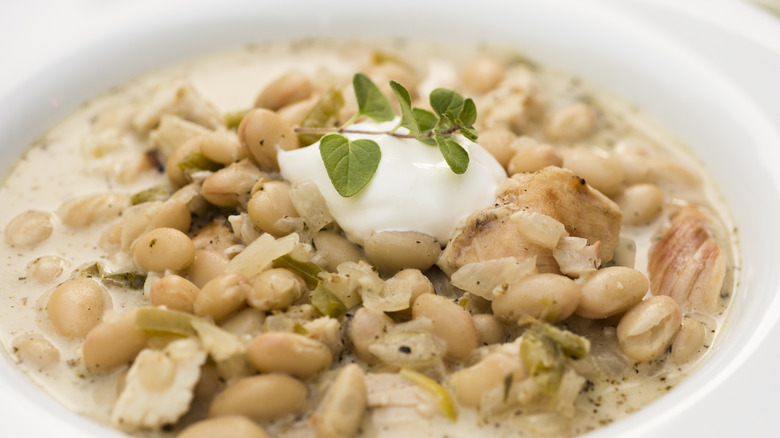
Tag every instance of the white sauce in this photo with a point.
(413, 189)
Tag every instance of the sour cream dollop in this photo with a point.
(413, 189)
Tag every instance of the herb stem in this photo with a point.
(342, 130)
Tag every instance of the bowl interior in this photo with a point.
(708, 110)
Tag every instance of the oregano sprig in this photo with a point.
(351, 164)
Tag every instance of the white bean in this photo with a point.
(611, 291)
(263, 398)
(689, 342)
(549, 297)
(341, 411)
(28, 229)
(391, 251)
(646, 331)
(288, 353)
(234, 426)
(451, 323)
(640, 204)
(76, 306)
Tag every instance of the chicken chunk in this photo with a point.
(688, 263)
(492, 233)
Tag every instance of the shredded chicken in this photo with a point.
(159, 386)
(688, 263)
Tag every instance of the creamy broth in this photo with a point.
(95, 150)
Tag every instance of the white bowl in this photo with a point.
(705, 69)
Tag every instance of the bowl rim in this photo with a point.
(719, 18)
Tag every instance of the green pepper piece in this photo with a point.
(442, 395)
(308, 271)
(326, 302)
(324, 114)
(571, 344)
(233, 119)
(195, 161)
(543, 359)
(158, 321)
(156, 193)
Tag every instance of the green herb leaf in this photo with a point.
(454, 154)
(371, 102)
(446, 102)
(468, 132)
(468, 114)
(350, 164)
(426, 120)
(408, 119)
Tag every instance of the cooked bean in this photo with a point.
(530, 156)
(215, 236)
(689, 341)
(231, 185)
(646, 331)
(498, 141)
(599, 169)
(571, 123)
(285, 90)
(269, 204)
(471, 384)
(275, 289)
(29, 229)
(640, 204)
(341, 411)
(76, 306)
(611, 291)
(288, 353)
(297, 112)
(451, 323)
(223, 147)
(483, 74)
(114, 342)
(111, 238)
(46, 268)
(222, 296)
(247, 321)
(175, 174)
(141, 218)
(234, 426)
(88, 210)
(391, 251)
(163, 248)
(549, 297)
(336, 249)
(36, 350)
(414, 280)
(206, 266)
(264, 132)
(261, 398)
(489, 328)
(174, 292)
(367, 326)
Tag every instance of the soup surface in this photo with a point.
(179, 260)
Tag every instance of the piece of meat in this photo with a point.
(490, 233)
(688, 264)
